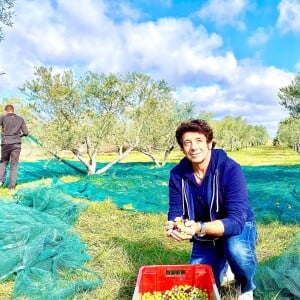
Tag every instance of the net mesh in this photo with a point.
(40, 249)
(280, 275)
(40, 246)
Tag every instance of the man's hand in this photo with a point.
(180, 229)
(191, 227)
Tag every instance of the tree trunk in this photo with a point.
(121, 153)
(118, 159)
(90, 164)
(151, 155)
(155, 160)
(167, 153)
(231, 144)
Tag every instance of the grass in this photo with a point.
(255, 156)
(120, 242)
(266, 156)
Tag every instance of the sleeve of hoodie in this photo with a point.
(235, 200)
(175, 198)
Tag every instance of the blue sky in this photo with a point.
(229, 57)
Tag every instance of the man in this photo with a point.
(13, 127)
(207, 190)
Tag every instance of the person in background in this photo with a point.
(13, 128)
(208, 205)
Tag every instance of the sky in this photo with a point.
(229, 57)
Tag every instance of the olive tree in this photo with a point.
(75, 114)
(155, 117)
(149, 120)
(289, 133)
(6, 14)
(235, 133)
(290, 97)
(83, 114)
(289, 129)
(159, 136)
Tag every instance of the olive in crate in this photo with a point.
(181, 292)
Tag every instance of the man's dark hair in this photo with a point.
(9, 108)
(200, 126)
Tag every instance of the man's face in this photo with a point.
(195, 147)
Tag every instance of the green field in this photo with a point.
(120, 242)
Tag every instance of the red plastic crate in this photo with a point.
(163, 277)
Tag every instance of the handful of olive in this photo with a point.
(179, 223)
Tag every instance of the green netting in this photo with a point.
(40, 248)
(280, 275)
(54, 252)
(274, 192)
(50, 201)
(140, 186)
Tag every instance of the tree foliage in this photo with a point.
(289, 133)
(127, 112)
(6, 14)
(234, 133)
(75, 113)
(289, 129)
(290, 97)
(155, 117)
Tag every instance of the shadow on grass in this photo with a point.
(153, 252)
(148, 252)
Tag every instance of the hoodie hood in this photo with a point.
(185, 169)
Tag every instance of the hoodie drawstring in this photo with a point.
(215, 194)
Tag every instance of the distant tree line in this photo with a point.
(235, 133)
(131, 112)
(289, 129)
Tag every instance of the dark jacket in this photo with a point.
(226, 193)
(12, 128)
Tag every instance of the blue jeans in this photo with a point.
(238, 251)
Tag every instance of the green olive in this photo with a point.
(180, 292)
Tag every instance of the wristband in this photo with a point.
(202, 229)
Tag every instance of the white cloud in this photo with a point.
(260, 37)
(297, 66)
(224, 12)
(289, 11)
(252, 95)
(169, 48)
